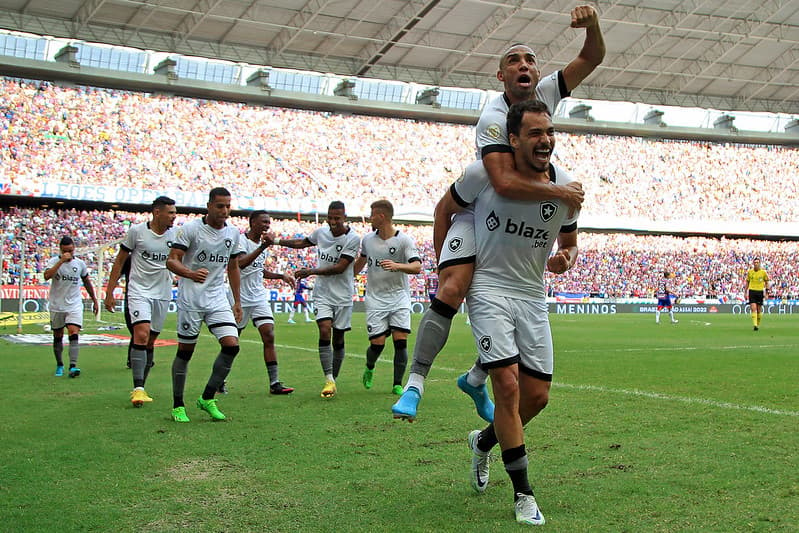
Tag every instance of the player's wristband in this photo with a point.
(276, 242)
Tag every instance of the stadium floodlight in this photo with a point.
(344, 88)
(725, 122)
(654, 118)
(429, 97)
(582, 111)
(68, 55)
(260, 80)
(167, 68)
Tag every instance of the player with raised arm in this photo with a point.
(255, 298)
(390, 256)
(66, 273)
(511, 328)
(203, 251)
(454, 240)
(337, 246)
(148, 290)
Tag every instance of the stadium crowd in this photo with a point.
(52, 133)
(610, 265)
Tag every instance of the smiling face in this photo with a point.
(336, 219)
(519, 73)
(260, 224)
(535, 141)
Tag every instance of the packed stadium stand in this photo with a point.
(53, 134)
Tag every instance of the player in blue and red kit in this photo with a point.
(664, 298)
(299, 301)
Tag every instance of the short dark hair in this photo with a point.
(162, 201)
(336, 204)
(217, 191)
(384, 206)
(66, 240)
(666, 273)
(517, 111)
(258, 212)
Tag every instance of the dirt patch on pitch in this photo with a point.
(200, 469)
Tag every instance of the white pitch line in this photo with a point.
(683, 348)
(594, 388)
(684, 399)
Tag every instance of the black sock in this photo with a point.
(487, 439)
(515, 460)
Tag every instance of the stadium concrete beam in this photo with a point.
(298, 23)
(191, 21)
(471, 43)
(786, 62)
(720, 49)
(399, 26)
(86, 12)
(654, 36)
(259, 56)
(243, 17)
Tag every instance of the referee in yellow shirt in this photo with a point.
(756, 285)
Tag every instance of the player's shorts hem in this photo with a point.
(499, 363)
(188, 340)
(402, 330)
(222, 325)
(543, 376)
(385, 333)
(756, 297)
(139, 322)
(458, 261)
(338, 329)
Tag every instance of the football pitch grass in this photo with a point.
(687, 427)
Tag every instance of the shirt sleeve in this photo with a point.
(184, 236)
(468, 187)
(129, 241)
(351, 247)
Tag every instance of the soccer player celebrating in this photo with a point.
(755, 288)
(204, 249)
(390, 255)
(337, 246)
(664, 298)
(511, 330)
(454, 242)
(148, 288)
(255, 299)
(66, 302)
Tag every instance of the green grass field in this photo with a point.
(690, 427)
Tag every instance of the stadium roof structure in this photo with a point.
(734, 55)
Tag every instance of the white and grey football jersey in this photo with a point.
(387, 290)
(209, 248)
(338, 289)
(492, 130)
(252, 287)
(65, 286)
(514, 238)
(148, 277)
